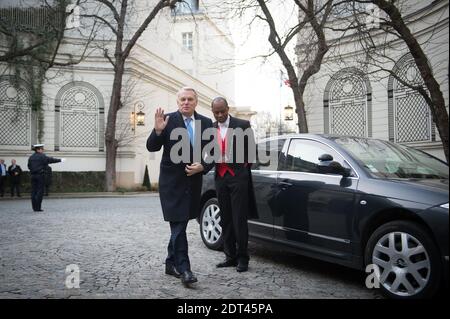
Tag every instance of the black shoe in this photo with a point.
(242, 266)
(38, 210)
(171, 270)
(188, 278)
(227, 263)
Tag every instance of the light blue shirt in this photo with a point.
(192, 123)
(2, 169)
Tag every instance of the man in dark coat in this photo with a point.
(36, 164)
(15, 175)
(180, 179)
(234, 185)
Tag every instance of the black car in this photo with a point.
(357, 202)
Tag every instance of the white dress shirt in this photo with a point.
(223, 127)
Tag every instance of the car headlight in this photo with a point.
(444, 206)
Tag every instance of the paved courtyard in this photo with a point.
(119, 246)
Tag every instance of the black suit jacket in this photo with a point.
(179, 193)
(234, 161)
(15, 174)
(237, 150)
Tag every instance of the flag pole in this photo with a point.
(281, 86)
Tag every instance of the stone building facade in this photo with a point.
(350, 98)
(179, 48)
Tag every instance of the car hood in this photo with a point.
(431, 184)
(431, 191)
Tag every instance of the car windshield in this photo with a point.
(388, 160)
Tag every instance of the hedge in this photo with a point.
(67, 182)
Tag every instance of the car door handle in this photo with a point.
(285, 185)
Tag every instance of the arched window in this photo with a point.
(16, 125)
(79, 118)
(348, 104)
(408, 114)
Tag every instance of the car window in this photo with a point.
(384, 159)
(268, 154)
(303, 156)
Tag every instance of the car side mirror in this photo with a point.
(346, 172)
(325, 158)
(337, 168)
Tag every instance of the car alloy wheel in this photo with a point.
(406, 258)
(210, 228)
(403, 262)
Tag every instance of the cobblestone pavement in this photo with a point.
(119, 245)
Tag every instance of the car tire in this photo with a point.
(407, 259)
(210, 227)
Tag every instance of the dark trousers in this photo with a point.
(232, 193)
(177, 250)
(15, 186)
(37, 191)
(2, 185)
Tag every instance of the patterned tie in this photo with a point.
(190, 130)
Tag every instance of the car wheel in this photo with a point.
(210, 228)
(407, 259)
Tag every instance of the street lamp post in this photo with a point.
(288, 113)
(137, 119)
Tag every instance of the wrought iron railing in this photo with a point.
(35, 20)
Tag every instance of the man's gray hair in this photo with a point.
(187, 88)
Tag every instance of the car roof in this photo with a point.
(318, 136)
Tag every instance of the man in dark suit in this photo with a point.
(180, 179)
(36, 164)
(15, 175)
(234, 185)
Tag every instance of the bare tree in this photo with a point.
(32, 38)
(313, 15)
(120, 12)
(37, 33)
(433, 95)
(377, 48)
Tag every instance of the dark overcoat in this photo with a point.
(179, 193)
(38, 161)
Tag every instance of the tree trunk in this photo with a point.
(279, 49)
(110, 132)
(299, 107)
(120, 56)
(437, 103)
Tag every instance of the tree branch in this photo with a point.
(111, 27)
(112, 8)
(161, 4)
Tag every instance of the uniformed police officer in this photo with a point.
(36, 164)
